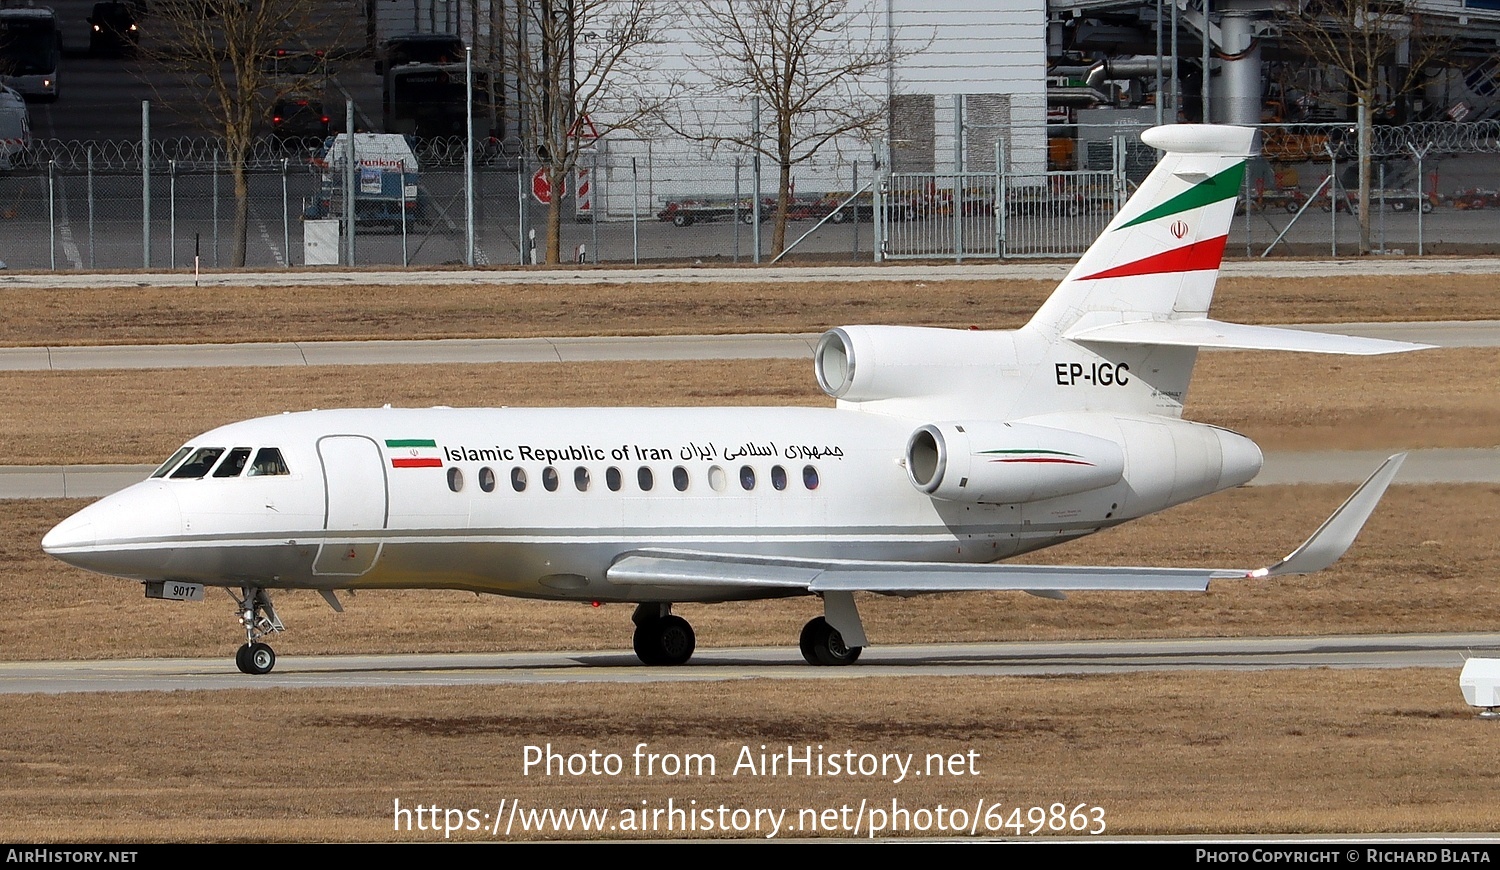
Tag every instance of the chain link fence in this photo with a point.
(1435, 188)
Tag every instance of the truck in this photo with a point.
(30, 47)
(387, 189)
(15, 128)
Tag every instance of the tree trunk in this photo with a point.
(241, 230)
(558, 177)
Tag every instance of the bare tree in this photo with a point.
(1380, 48)
(224, 47)
(816, 66)
(578, 65)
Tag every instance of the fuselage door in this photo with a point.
(355, 492)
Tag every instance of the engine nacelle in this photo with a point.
(870, 363)
(1009, 463)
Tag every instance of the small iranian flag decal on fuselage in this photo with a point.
(1040, 457)
(414, 453)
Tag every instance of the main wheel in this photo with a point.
(681, 220)
(821, 644)
(255, 658)
(748, 218)
(839, 217)
(665, 641)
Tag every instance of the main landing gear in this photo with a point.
(836, 638)
(822, 644)
(660, 637)
(259, 619)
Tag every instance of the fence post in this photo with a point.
(349, 180)
(1421, 195)
(51, 218)
(1000, 198)
(172, 215)
(145, 184)
(958, 178)
(468, 164)
(216, 207)
(635, 210)
(286, 218)
(91, 205)
(755, 181)
(855, 211)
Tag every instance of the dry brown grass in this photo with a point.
(151, 315)
(1184, 753)
(1443, 398)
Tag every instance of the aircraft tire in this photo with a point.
(821, 644)
(259, 659)
(242, 658)
(665, 641)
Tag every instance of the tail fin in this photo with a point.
(1159, 258)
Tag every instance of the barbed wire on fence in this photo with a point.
(207, 154)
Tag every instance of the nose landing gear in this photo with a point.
(259, 619)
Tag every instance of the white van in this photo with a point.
(15, 127)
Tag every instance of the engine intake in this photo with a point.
(1009, 463)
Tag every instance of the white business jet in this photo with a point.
(947, 451)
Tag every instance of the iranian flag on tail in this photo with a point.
(414, 453)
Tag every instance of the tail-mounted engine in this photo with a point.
(1009, 463)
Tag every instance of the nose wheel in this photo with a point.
(255, 658)
(259, 620)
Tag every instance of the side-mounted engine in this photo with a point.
(1009, 463)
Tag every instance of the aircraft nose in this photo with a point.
(115, 534)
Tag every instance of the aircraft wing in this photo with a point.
(1203, 332)
(689, 568)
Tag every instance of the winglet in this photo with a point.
(1338, 532)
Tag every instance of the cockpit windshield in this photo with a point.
(198, 464)
(201, 460)
(161, 470)
(268, 461)
(234, 463)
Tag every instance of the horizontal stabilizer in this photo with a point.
(1202, 332)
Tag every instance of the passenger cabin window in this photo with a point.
(171, 463)
(581, 478)
(612, 478)
(549, 478)
(809, 477)
(198, 464)
(268, 462)
(778, 477)
(680, 478)
(645, 479)
(455, 479)
(747, 477)
(518, 479)
(487, 479)
(717, 479)
(234, 463)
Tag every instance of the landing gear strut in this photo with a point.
(259, 619)
(660, 637)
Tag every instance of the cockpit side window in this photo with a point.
(234, 463)
(161, 470)
(268, 461)
(198, 464)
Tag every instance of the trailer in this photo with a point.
(686, 212)
(387, 192)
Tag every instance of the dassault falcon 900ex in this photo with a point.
(947, 451)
